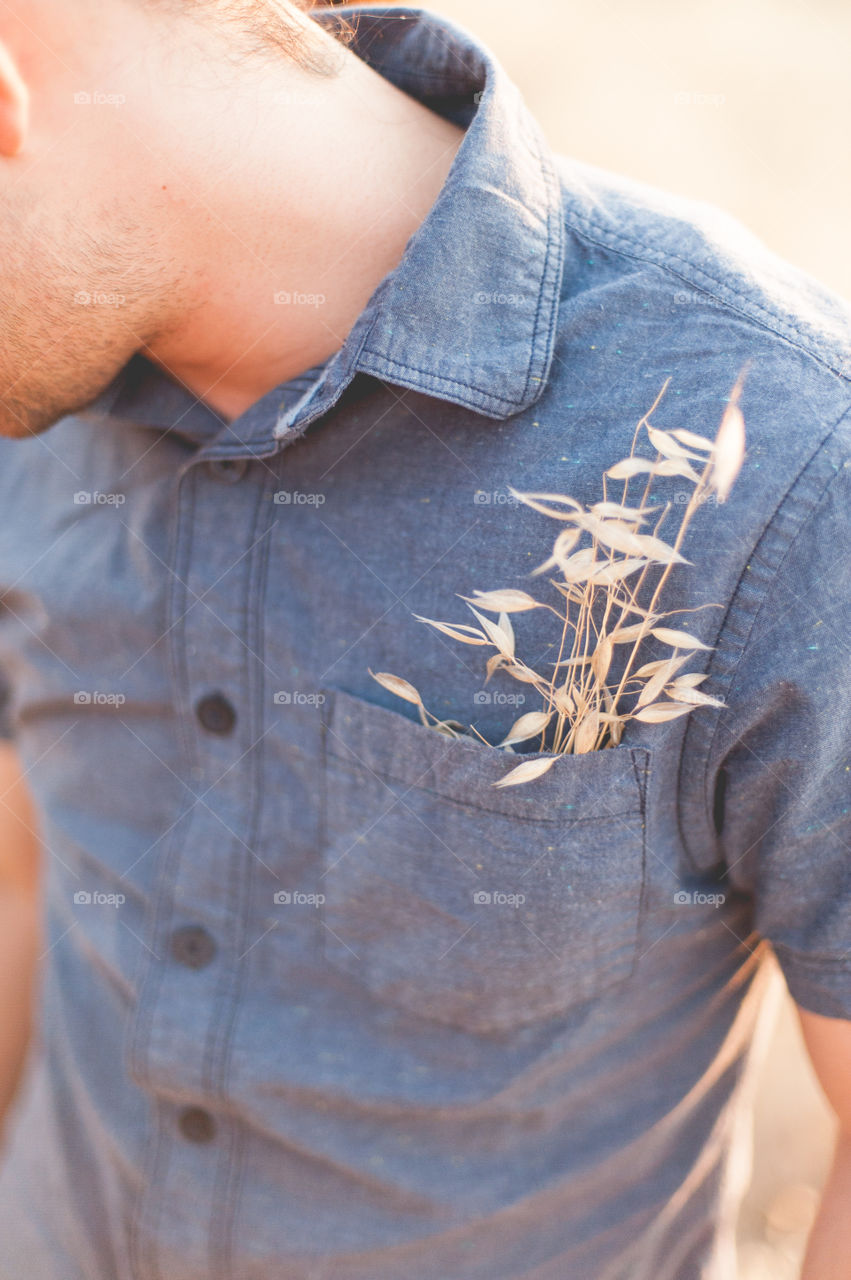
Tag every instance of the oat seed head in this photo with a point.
(597, 588)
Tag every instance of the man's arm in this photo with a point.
(19, 921)
(828, 1042)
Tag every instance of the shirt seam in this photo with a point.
(549, 242)
(664, 260)
(219, 1050)
(548, 289)
(769, 584)
(817, 962)
(642, 777)
(444, 797)
(380, 357)
(736, 608)
(144, 1252)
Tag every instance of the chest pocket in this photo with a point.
(478, 907)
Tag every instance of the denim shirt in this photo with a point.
(320, 1002)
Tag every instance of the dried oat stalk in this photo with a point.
(598, 586)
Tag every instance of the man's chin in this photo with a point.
(21, 422)
(13, 427)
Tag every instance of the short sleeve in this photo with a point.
(783, 759)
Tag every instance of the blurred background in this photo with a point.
(743, 103)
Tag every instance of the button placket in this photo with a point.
(194, 970)
(216, 713)
(193, 946)
(196, 1124)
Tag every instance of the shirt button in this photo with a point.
(216, 713)
(196, 1124)
(193, 946)
(227, 469)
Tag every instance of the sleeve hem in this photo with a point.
(818, 984)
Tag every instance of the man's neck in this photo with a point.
(303, 218)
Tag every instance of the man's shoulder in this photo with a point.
(695, 255)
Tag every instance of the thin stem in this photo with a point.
(691, 507)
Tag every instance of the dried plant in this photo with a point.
(598, 587)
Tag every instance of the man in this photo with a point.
(301, 299)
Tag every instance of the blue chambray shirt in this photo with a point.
(320, 1003)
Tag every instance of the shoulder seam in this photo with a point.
(749, 309)
(769, 568)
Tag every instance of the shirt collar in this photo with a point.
(468, 315)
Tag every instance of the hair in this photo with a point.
(261, 27)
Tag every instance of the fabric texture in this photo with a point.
(320, 1003)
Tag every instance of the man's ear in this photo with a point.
(14, 106)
